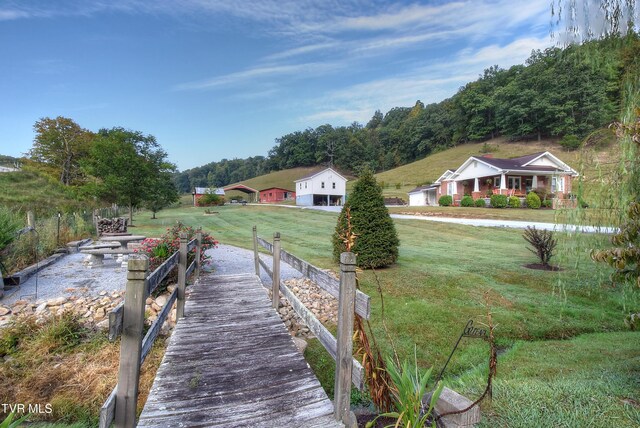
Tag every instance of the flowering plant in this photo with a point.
(160, 249)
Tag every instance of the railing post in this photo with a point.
(256, 257)
(275, 288)
(130, 347)
(346, 309)
(198, 251)
(182, 275)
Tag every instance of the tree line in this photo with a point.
(114, 165)
(558, 93)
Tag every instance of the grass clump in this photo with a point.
(65, 364)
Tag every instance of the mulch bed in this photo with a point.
(540, 266)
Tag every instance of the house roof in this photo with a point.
(276, 188)
(519, 164)
(203, 190)
(317, 172)
(241, 188)
(423, 188)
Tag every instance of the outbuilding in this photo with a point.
(323, 187)
(274, 195)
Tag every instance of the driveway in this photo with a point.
(513, 224)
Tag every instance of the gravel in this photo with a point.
(68, 276)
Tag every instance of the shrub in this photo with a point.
(159, 250)
(547, 203)
(9, 226)
(489, 193)
(209, 200)
(498, 201)
(570, 142)
(445, 201)
(467, 201)
(480, 203)
(533, 200)
(514, 202)
(376, 243)
(542, 242)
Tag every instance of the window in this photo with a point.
(333, 186)
(270, 194)
(450, 188)
(322, 184)
(305, 184)
(557, 184)
(496, 182)
(514, 183)
(301, 185)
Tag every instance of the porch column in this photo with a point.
(328, 200)
(503, 183)
(534, 182)
(476, 186)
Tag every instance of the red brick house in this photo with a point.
(274, 195)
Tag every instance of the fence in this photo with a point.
(128, 319)
(350, 301)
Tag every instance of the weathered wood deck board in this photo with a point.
(232, 362)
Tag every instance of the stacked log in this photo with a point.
(112, 225)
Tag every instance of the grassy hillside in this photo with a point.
(283, 179)
(30, 190)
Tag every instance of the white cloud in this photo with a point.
(252, 74)
(427, 82)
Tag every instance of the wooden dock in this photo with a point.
(232, 362)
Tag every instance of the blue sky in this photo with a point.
(213, 79)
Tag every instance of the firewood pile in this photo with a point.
(112, 225)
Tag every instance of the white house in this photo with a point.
(428, 194)
(482, 176)
(325, 187)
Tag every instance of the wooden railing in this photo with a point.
(350, 301)
(127, 319)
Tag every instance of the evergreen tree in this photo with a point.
(376, 242)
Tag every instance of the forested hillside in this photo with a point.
(562, 94)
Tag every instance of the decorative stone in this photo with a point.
(4, 311)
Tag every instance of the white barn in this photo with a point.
(325, 187)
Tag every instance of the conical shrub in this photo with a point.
(376, 243)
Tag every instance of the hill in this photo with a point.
(283, 179)
(30, 190)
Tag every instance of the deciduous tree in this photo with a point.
(61, 143)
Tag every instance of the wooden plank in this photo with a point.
(108, 410)
(266, 268)
(130, 347)
(265, 244)
(192, 244)
(346, 305)
(153, 331)
(115, 321)
(191, 268)
(182, 278)
(327, 282)
(161, 272)
(234, 364)
(275, 296)
(324, 336)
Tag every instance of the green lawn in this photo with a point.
(446, 274)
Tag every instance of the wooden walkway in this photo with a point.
(231, 362)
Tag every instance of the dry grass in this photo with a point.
(66, 365)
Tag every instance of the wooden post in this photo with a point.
(255, 250)
(275, 288)
(198, 251)
(31, 219)
(182, 275)
(130, 347)
(346, 309)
